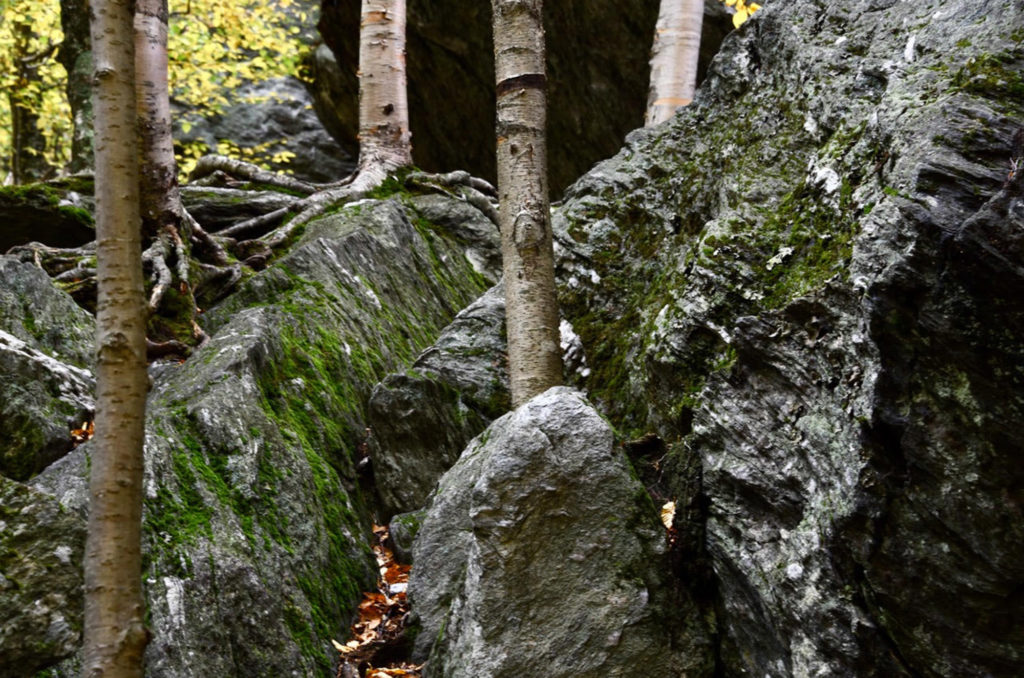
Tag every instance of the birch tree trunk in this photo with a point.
(674, 56)
(159, 197)
(115, 635)
(531, 307)
(385, 141)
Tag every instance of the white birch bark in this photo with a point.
(674, 56)
(385, 141)
(531, 307)
(115, 636)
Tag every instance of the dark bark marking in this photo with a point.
(524, 81)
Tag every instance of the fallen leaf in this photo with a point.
(80, 435)
(344, 649)
(668, 514)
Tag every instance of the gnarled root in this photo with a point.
(210, 164)
(477, 192)
(265, 229)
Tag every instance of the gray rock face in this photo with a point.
(47, 213)
(41, 547)
(42, 400)
(216, 208)
(423, 418)
(34, 311)
(45, 342)
(817, 306)
(403, 529)
(45, 391)
(539, 554)
(256, 530)
(275, 116)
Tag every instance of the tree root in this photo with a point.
(460, 184)
(209, 164)
(220, 255)
(265, 228)
(55, 260)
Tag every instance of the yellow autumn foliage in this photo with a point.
(213, 48)
(743, 10)
(29, 33)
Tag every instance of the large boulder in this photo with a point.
(274, 122)
(541, 555)
(256, 529)
(808, 285)
(42, 401)
(598, 75)
(422, 418)
(41, 546)
(57, 213)
(45, 351)
(47, 320)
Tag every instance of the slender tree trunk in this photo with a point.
(531, 307)
(674, 57)
(76, 56)
(115, 635)
(159, 196)
(28, 164)
(385, 141)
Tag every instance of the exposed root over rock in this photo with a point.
(188, 266)
(269, 229)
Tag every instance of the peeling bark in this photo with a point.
(385, 142)
(158, 194)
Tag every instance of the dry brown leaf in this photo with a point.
(395, 573)
(668, 514)
(80, 435)
(381, 616)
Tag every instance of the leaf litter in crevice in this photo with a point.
(81, 435)
(378, 641)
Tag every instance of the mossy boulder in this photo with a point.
(806, 285)
(41, 545)
(45, 352)
(58, 213)
(256, 524)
